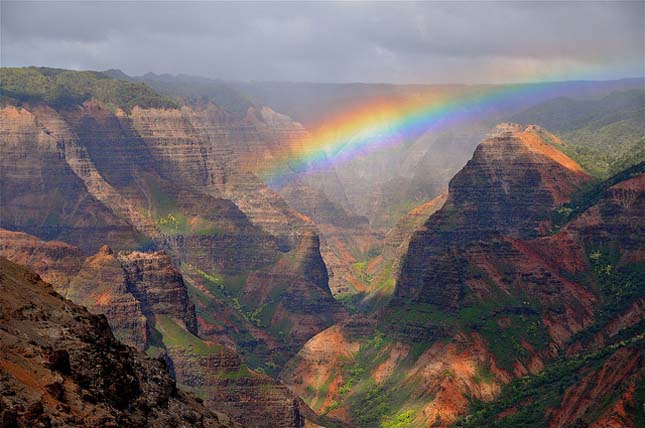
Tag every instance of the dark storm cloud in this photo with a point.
(389, 42)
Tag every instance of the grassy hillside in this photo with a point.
(605, 135)
(64, 88)
(526, 401)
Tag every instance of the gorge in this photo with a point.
(244, 263)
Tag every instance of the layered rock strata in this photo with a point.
(61, 365)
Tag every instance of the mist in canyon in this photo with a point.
(322, 214)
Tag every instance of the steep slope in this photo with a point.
(604, 134)
(111, 170)
(41, 193)
(61, 365)
(508, 188)
(486, 296)
(385, 268)
(346, 238)
(132, 290)
(260, 142)
(146, 303)
(56, 262)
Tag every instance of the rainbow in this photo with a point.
(386, 122)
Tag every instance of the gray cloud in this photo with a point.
(372, 42)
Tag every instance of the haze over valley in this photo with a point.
(352, 215)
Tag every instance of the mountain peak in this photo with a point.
(511, 184)
(504, 129)
(533, 138)
(105, 250)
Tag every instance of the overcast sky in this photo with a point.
(431, 42)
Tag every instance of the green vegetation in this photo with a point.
(590, 195)
(170, 217)
(170, 221)
(619, 285)
(241, 373)
(380, 285)
(226, 289)
(400, 420)
(195, 90)
(360, 268)
(510, 326)
(65, 88)
(223, 286)
(505, 344)
(484, 375)
(585, 146)
(531, 396)
(322, 394)
(386, 406)
(502, 320)
(351, 301)
(371, 404)
(176, 336)
(604, 135)
(397, 210)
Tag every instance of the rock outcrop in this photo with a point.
(385, 268)
(60, 365)
(147, 307)
(132, 289)
(56, 262)
(173, 179)
(508, 189)
(40, 193)
(488, 296)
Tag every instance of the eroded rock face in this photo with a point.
(159, 286)
(617, 219)
(55, 261)
(477, 307)
(61, 365)
(345, 237)
(40, 192)
(216, 374)
(130, 288)
(302, 299)
(508, 188)
(177, 179)
(146, 304)
(102, 286)
(319, 363)
(203, 148)
(618, 376)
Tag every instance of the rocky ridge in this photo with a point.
(145, 300)
(508, 189)
(519, 307)
(176, 179)
(61, 366)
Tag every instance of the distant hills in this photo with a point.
(605, 134)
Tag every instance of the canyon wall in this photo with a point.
(61, 365)
(502, 316)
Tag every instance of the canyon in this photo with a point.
(486, 295)
(409, 287)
